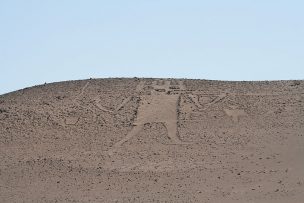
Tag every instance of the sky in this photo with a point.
(57, 40)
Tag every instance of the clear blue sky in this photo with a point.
(54, 40)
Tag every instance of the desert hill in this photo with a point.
(153, 140)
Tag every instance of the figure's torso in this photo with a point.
(157, 108)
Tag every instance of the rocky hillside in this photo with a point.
(153, 140)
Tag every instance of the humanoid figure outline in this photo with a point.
(158, 106)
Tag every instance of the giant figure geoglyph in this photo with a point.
(156, 106)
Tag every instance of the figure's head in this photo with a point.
(161, 86)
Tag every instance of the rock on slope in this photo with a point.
(153, 140)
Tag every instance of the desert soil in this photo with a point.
(153, 140)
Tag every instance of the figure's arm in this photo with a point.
(220, 97)
(206, 106)
(99, 106)
(120, 106)
(195, 101)
(124, 102)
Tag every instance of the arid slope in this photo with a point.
(153, 140)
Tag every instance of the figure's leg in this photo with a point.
(131, 134)
(173, 133)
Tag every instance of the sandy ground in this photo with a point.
(153, 140)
